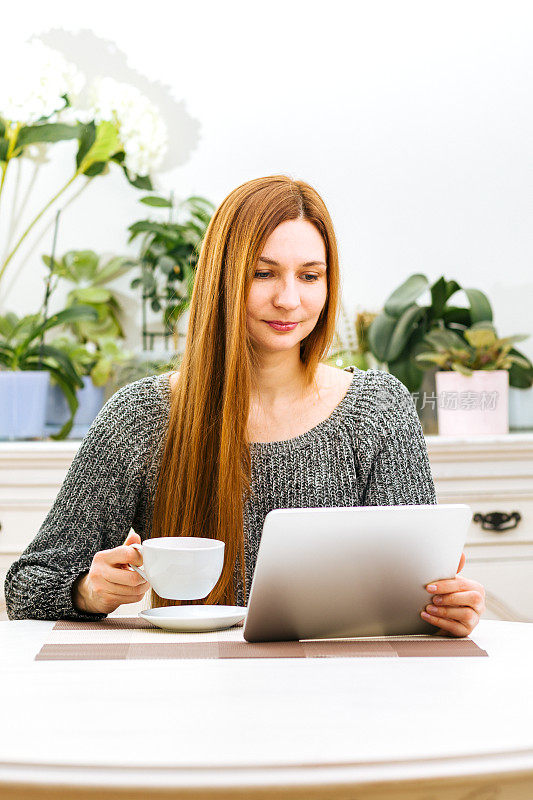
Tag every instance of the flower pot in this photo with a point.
(90, 399)
(473, 405)
(23, 395)
(520, 409)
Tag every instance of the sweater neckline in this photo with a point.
(317, 432)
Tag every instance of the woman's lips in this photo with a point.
(279, 327)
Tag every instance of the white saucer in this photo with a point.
(194, 618)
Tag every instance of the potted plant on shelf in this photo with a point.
(472, 379)
(90, 273)
(95, 364)
(396, 335)
(169, 253)
(92, 345)
(26, 364)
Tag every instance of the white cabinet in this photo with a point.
(488, 473)
(492, 474)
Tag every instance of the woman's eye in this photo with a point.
(307, 275)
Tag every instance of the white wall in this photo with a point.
(413, 119)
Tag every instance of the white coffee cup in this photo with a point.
(181, 567)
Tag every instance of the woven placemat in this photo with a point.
(119, 638)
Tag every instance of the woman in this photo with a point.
(253, 421)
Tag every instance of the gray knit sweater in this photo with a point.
(369, 451)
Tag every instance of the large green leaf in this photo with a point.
(114, 269)
(443, 339)
(140, 182)
(438, 298)
(520, 377)
(406, 294)
(92, 294)
(403, 330)
(159, 202)
(86, 137)
(480, 308)
(63, 361)
(379, 334)
(50, 132)
(451, 288)
(106, 143)
(456, 315)
(146, 226)
(406, 370)
(68, 315)
(82, 264)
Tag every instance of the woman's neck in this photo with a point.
(279, 382)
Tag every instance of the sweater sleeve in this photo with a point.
(399, 473)
(93, 511)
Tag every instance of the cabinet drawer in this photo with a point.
(522, 534)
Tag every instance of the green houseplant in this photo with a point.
(478, 348)
(472, 380)
(23, 353)
(396, 335)
(96, 366)
(94, 346)
(90, 273)
(169, 253)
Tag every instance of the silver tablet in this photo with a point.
(362, 571)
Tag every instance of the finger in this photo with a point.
(123, 555)
(453, 585)
(455, 628)
(125, 587)
(464, 614)
(120, 599)
(473, 599)
(462, 562)
(122, 576)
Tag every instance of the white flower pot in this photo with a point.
(473, 405)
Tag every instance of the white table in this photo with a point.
(407, 728)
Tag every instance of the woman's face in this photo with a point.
(289, 285)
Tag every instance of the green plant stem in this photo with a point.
(15, 212)
(11, 146)
(37, 218)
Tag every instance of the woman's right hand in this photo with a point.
(109, 583)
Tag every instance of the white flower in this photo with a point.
(142, 132)
(33, 86)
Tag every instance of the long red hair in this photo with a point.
(204, 478)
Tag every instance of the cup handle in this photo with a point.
(138, 547)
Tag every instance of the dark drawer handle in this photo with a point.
(498, 520)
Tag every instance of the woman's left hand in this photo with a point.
(456, 605)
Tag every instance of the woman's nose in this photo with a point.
(287, 296)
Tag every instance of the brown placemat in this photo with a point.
(229, 644)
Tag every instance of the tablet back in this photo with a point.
(361, 571)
